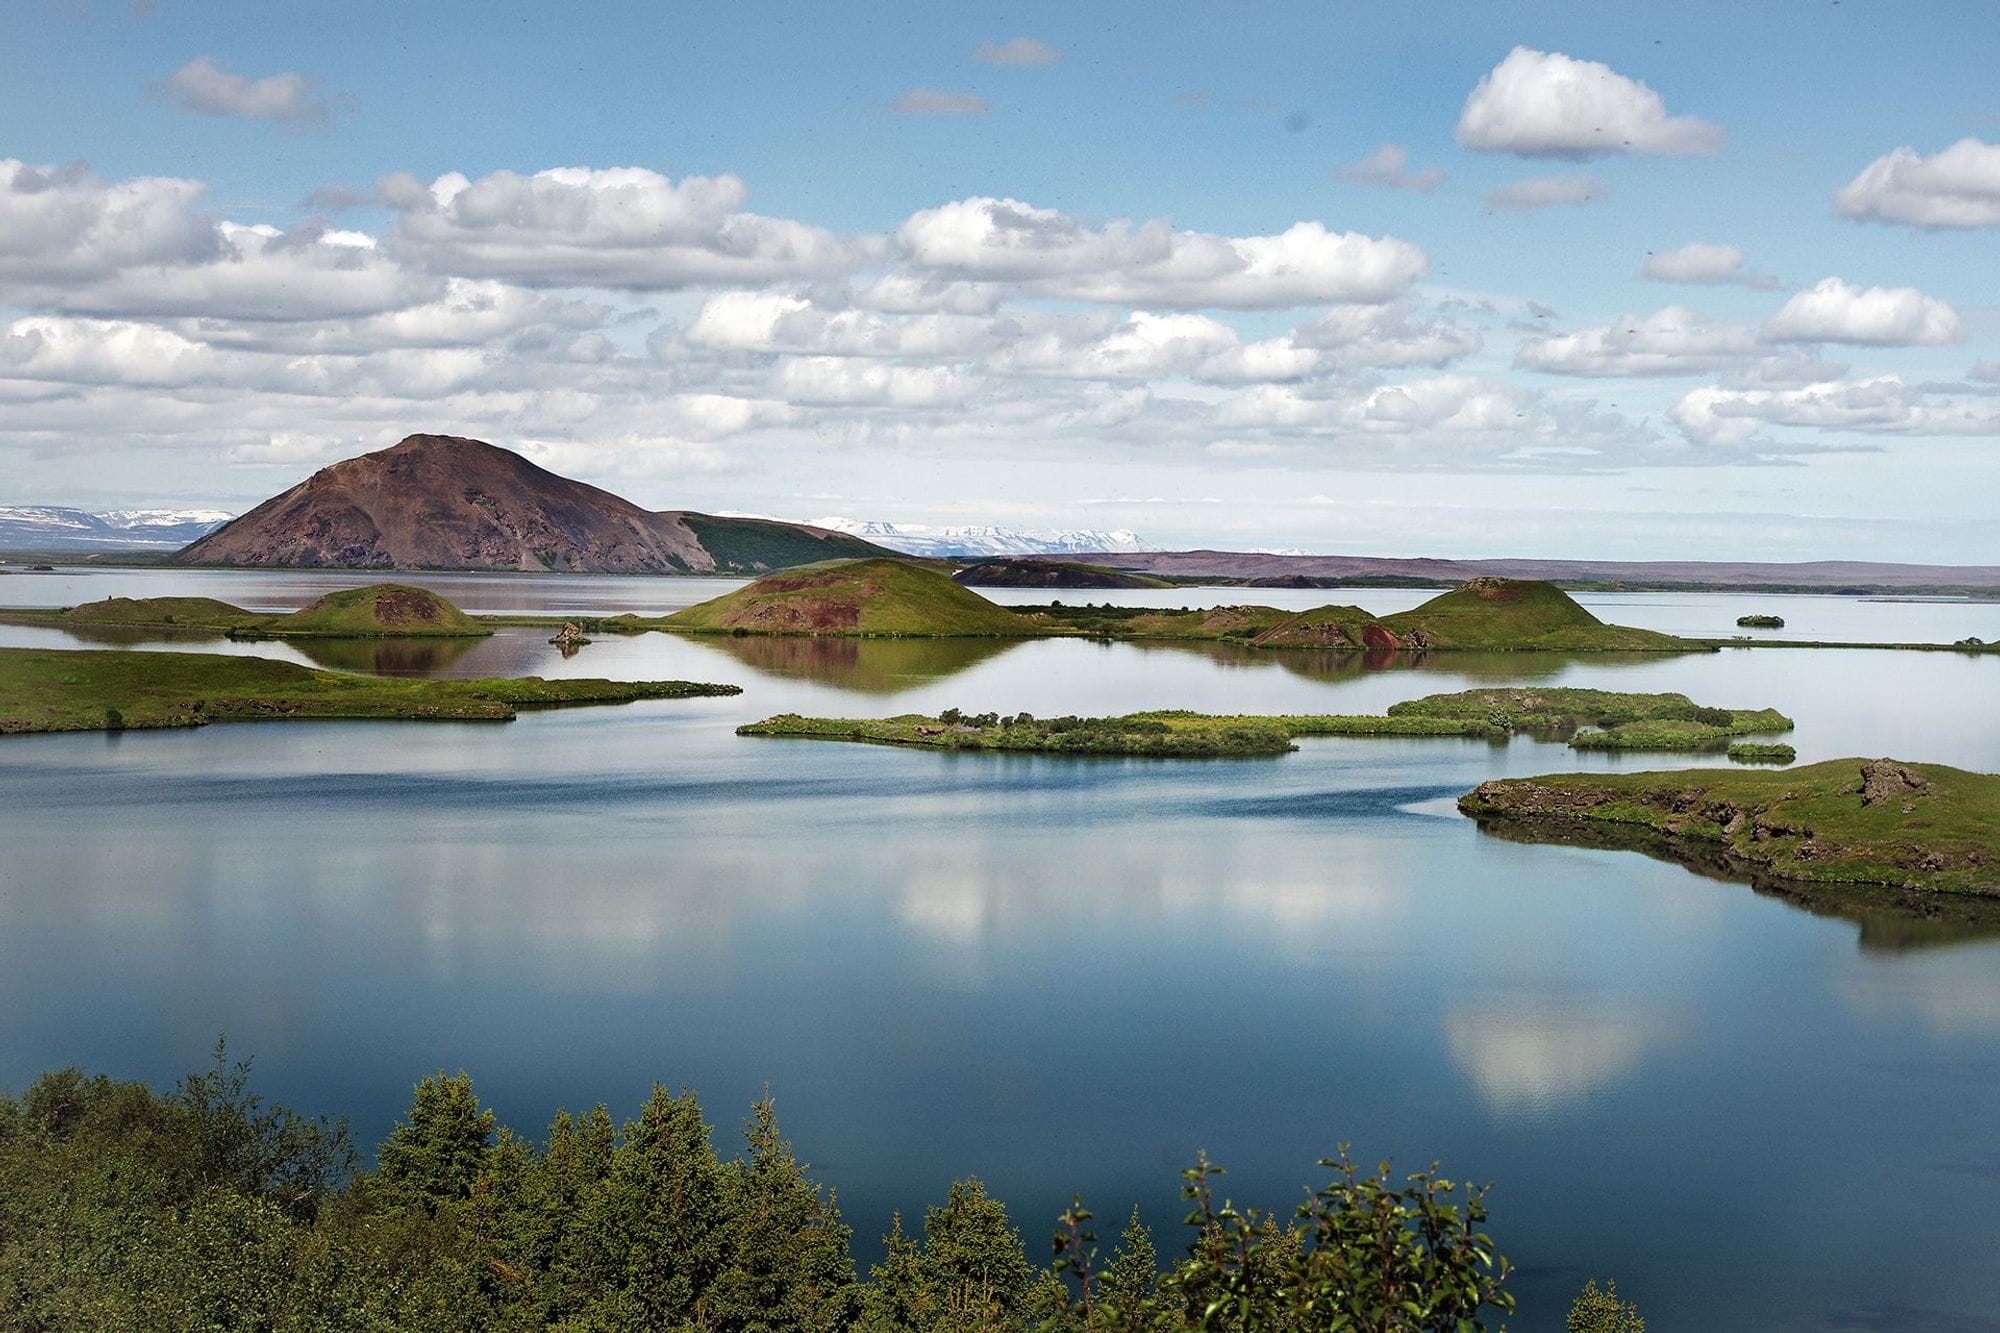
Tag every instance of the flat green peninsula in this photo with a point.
(60, 689)
(1602, 719)
(1664, 721)
(1918, 827)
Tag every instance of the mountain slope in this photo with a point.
(446, 502)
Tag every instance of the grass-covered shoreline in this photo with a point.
(1924, 828)
(58, 689)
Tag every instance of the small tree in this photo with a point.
(432, 1157)
(1596, 1311)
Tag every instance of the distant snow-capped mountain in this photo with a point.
(958, 543)
(53, 528)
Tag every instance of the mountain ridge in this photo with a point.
(452, 502)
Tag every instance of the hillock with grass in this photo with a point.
(380, 609)
(1923, 828)
(1511, 615)
(863, 598)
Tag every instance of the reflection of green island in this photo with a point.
(1665, 720)
(380, 610)
(897, 598)
(56, 689)
(1026, 573)
(868, 666)
(1917, 827)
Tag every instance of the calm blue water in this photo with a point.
(1062, 975)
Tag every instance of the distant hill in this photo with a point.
(1024, 573)
(54, 528)
(890, 598)
(1329, 571)
(446, 502)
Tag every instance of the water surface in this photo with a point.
(1060, 974)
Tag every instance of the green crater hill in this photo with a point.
(1919, 827)
(887, 598)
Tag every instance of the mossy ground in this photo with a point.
(52, 689)
(1922, 827)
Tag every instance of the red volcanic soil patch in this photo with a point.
(1489, 589)
(406, 607)
(1377, 636)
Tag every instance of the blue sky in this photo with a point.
(959, 264)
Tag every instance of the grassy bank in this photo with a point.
(98, 690)
(1920, 827)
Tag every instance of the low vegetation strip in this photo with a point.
(1922, 827)
(1602, 719)
(1178, 735)
(1633, 721)
(54, 689)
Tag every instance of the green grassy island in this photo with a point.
(1651, 721)
(1917, 827)
(379, 610)
(1760, 622)
(860, 598)
(56, 689)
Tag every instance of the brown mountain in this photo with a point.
(446, 502)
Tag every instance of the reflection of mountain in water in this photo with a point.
(869, 666)
(386, 657)
(1891, 920)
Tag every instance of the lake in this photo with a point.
(1063, 975)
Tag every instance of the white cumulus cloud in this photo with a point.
(933, 102)
(1673, 341)
(1547, 191)
(204, 87)
(1958, 187)
(1546, 104)
(1017, 53)
(621, 227)
(1833, 311)
(1704, 264)
(1389, 167)
(1055, 254)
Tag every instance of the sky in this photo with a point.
(1564, 280)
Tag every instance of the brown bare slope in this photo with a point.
(446, 502)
